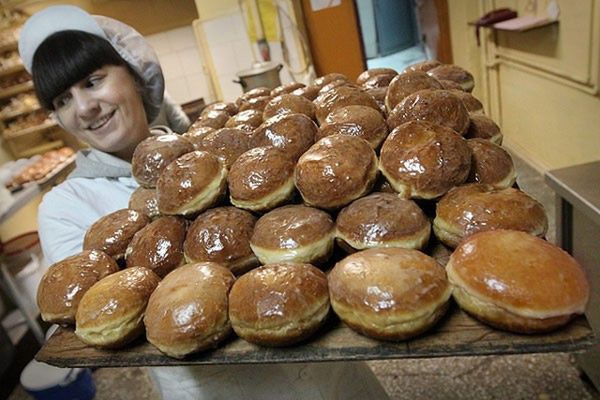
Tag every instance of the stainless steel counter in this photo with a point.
(578, 231)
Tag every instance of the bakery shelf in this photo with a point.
(13, 90)
(9, 46)
(12, 69)
(456, 335)
(55, 144)
(37, 128)
(14, 114)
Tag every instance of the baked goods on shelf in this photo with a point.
(389, 294)
(515, 281)
(188, 311)
(44, 166)
(279, 304)
(111, 312)
(473, 208)
(65, 282)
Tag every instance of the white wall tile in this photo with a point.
(197, 87)
(243, 54)
(182, 38)
(171, 66)
(160, 43)
(224, 59)
(178, 89)
(230, 89)
(191, 61)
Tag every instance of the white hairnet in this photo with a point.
(130, 45)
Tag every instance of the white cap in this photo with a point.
(130, 45)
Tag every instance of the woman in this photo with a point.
(104, 90)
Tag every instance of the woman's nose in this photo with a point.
(86, 104)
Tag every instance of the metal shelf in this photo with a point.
(13, 90)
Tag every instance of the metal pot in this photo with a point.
(260, 75)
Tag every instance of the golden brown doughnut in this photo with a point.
(289, 104)
(246, 120)
(517, 282)
(255, 103)
(454, 73)
(110, 313)
(382, 220)
(228, 107)
(113, 232)
(491, 164)
(294, 233)
(423, 160)
(195, 134)
(191, 184)
(328, 78)
(422, 66)
(256, 92)
(279, 304)
(188, 311)
(261, 179)
(153, 154)
(406, 84)
(286, 88)
(65, 282)
(389, 294)
(310, 92)
(222, 235)
(473, 105)
(335, 171)
(144, 200)
(227, 144)
(158, 246)
(291, 133)
(485, 128)
(213, 119)
(441, 107)
(341, 96)
(360, 121)
(473, 208)
(373, 72)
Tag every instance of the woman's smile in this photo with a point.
(101, 122)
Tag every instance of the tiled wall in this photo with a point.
(181, 62)
(230, 50)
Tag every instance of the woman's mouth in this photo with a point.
(100, 122)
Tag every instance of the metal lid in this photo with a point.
(259, 68)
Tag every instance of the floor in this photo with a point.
(531, 376)
(399, 60)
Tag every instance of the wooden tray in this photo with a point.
(456, 335)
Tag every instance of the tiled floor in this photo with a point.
(530, 376)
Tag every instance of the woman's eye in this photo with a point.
(61, 101)
(93, 81)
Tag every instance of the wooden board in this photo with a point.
(456, 335)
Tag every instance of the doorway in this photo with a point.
(398, 33)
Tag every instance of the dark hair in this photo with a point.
(64, 58)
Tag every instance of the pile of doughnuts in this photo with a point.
(286, 203)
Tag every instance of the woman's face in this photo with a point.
(105, 110)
